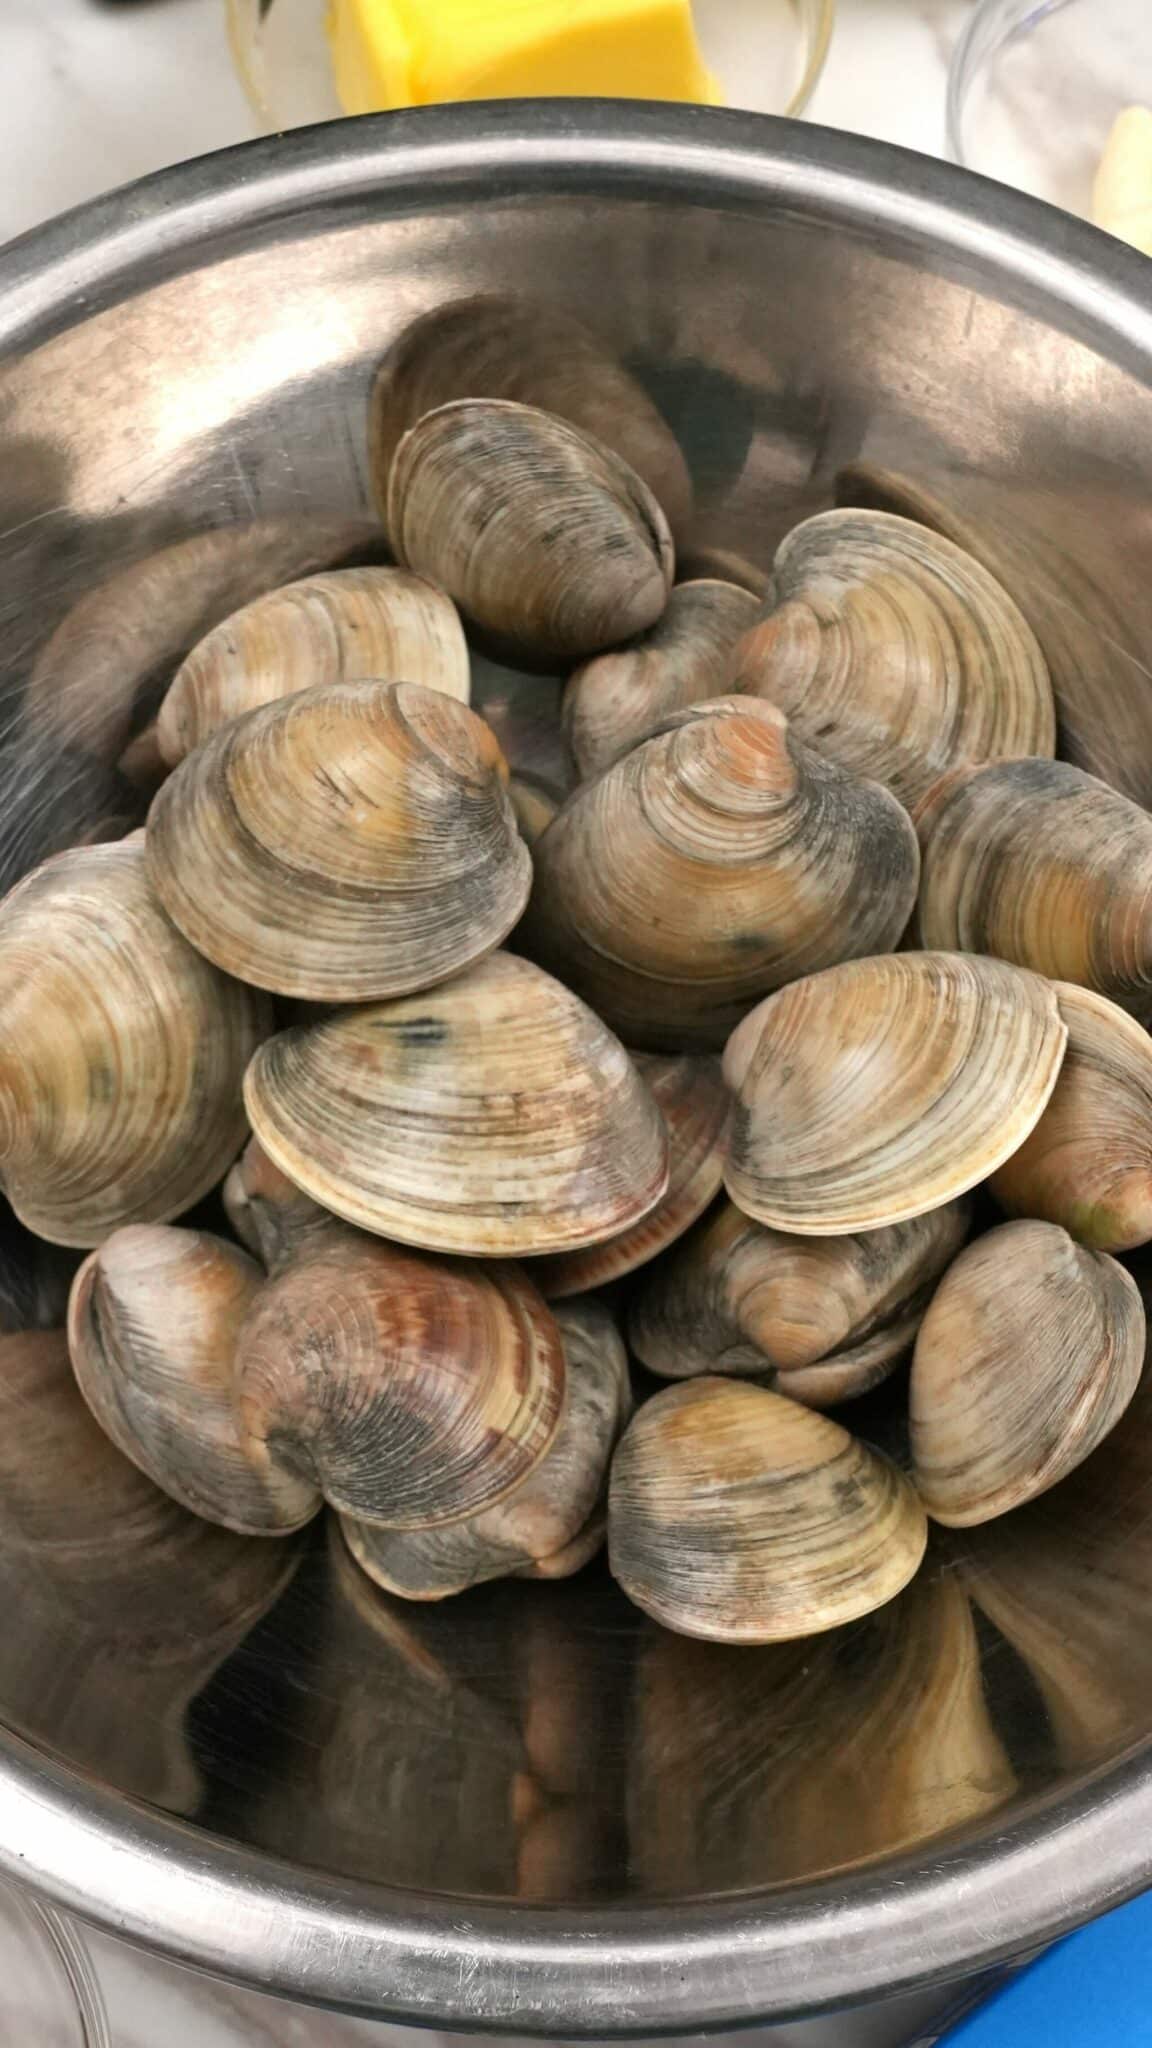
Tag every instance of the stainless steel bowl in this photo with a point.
(530, 1810)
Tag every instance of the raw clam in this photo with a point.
(896, 652)
(494, 1115)
(1039, 863)
(741, 1516)
(353, 841)
(410, 1391)
(621, 697)
(274, 1218)
(355, 625)
(717, 860)
(152, 1330)
(1088, 1162)
(121, 1051)
(540, 1527)
(1030, 1351)
(818, 1318)
(1081, 610)
(550, 545)
(495, 345)
(117, 648)
(879, 1090)
(691, 1097)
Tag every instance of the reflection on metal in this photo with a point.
(529, 1809)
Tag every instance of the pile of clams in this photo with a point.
(517, 1121)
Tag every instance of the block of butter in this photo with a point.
(404, 53)
(1122, 194)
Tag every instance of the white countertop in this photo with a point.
(94, 93)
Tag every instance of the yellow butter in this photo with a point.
(400, 53)
(1122, 195)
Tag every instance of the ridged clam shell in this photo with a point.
(551, 546)
(541, 1525)
(494, 1115)
(1030, 1351)
(741, 1516)
(618, 699)
(716, 861)
(409, 1390)
(121, 1051)
(355, 840)
(819, 1319)
(896, 652)
(354, 625)
(881, 1089)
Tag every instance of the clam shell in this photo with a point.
(881, 1089)
(621, 697)
(534, 806)
(121, 1051)
(1087, 1164)
(819, 1319)
(273, 1218)
(152, 1329)
(738, 1515)
(691, 1097)
(355, 625)
(495, 1115)
(352, 841)
(1041, 864)
(719, 859)
(544, 1523)
(409, 1390)
(495, 345)
(1030, 1351)
(896, 652)
(549, 544)
(118, 646)
(1090, 634)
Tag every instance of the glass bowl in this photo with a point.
(1035, 86)
(767, 54)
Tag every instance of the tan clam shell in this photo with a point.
(118, 646)
(752, 1767)
(718, 860)
(352, 841)
(1090, 634)
(691, 1097)
(152, 1329)
(881, 1089)
(496, 345)
(549, 544)
(354, 625)
(1087, 1164)
(494, 1115)
(1029, 1353)
(743, 1517)
(819, 1319)
(121, 1051)
(543, 1522)
(442, 1385)
(271, 1216)
(896, 652)
(618, 699)
(1037, 862)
